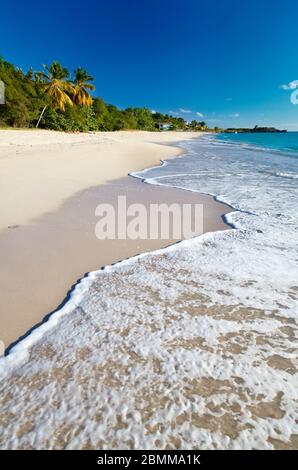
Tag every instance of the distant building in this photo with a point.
(164, 126)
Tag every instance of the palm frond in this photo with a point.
(89, 86)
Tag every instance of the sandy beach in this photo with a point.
(50, 186)
(39, 170)
(148, 233)
(180, 348)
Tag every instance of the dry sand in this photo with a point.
(39, 170)
(50, 186)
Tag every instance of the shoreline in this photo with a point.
(72, 251)
(144, 348)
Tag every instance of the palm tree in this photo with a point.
(55, 81)
(81, 84)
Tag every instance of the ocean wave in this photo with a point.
(193, 346)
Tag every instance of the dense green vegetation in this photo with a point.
(52, 99)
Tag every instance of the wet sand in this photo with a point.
(40, 261)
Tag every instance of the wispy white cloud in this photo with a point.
(199, 114)
(290, 86)
(182, 110)
(234, 115)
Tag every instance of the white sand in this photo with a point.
(57, 180)
(39, 170)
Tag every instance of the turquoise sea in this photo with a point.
(283, 142)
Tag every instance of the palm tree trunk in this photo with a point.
(40, 117)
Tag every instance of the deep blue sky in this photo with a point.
(224, 59)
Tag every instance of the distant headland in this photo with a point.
(255, 129)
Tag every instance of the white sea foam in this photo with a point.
(192, 346)
(287, 175)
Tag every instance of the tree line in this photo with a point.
(52, 98)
